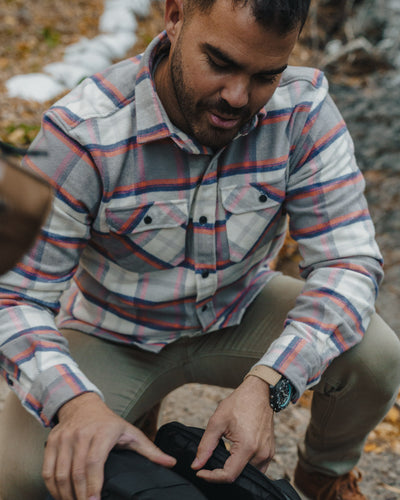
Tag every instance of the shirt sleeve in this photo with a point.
(34, 356)
(341, 262)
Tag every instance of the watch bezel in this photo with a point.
(281, 394)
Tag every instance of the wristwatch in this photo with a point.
(281, 391)
(280, 394)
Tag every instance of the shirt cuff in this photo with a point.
(55, 387)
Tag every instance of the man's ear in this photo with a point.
(173, 18)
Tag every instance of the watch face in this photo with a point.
(281, 394)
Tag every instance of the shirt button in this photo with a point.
(205, 274)
(203, 219)
(263, 198)
(148, 219)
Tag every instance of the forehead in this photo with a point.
(235, 31)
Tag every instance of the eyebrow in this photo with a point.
(223, 57)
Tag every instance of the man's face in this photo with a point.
(223, 68)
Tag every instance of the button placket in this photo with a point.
(203, 209)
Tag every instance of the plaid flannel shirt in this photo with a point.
(153, 236)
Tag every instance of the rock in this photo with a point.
(114, 45)
(139, 7)
(370, 21)
(358, 57)
(67, 74)
(117, 20)
(35, 86)
(93, 61)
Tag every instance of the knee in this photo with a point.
(376, 360)
(21, 453)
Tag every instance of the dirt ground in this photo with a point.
(33, 34)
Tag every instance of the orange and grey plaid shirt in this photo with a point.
(153, 236)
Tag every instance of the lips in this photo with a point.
(223, 122)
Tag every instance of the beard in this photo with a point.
(195, 112)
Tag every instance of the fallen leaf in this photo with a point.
(393, 415)
(393, 489)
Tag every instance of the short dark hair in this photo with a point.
(282, 15)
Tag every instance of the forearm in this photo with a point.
(35, 359)
(330, 316)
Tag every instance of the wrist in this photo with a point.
(266, 373)
(71, 406)
(281, 391)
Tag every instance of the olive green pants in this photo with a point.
(354, 394)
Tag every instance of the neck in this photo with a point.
(166, 92)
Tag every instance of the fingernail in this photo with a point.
(94, 498)
(195, 462)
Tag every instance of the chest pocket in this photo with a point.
(253, 213)
(153, 235)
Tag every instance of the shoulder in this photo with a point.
(312, 77)
(100, 96)
(300, 87)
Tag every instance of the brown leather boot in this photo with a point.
(318, 486)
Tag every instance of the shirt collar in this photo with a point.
(153, 122)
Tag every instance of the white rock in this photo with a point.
(139, 7)
(117, 20)
(67, 74)
(333, 47)
(91, 61)
(34, 86)
(114, 45)
(117, 26)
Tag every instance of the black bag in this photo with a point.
(181, 442)
(129, 476)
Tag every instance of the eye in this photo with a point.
(266, 79)
(216, 65)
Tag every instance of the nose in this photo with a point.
(236, 91)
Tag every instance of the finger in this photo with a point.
(62, 471)
(234, 465)
(49, 461)
(263, 465)
(262, 460)
(56, 467)
(96, 457)
(144, 446)
(207, 445)
(78, 470)
(265, 453)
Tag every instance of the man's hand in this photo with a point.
(79, 444)
(246, 419)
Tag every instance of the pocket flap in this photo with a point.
(144, 217)
(250, 198)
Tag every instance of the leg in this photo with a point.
(353, 396)
(133, 381)
(123, 374)
(223, 358)
(22, 441)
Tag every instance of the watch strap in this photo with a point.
(266, 373)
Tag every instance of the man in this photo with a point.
(173, 175)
